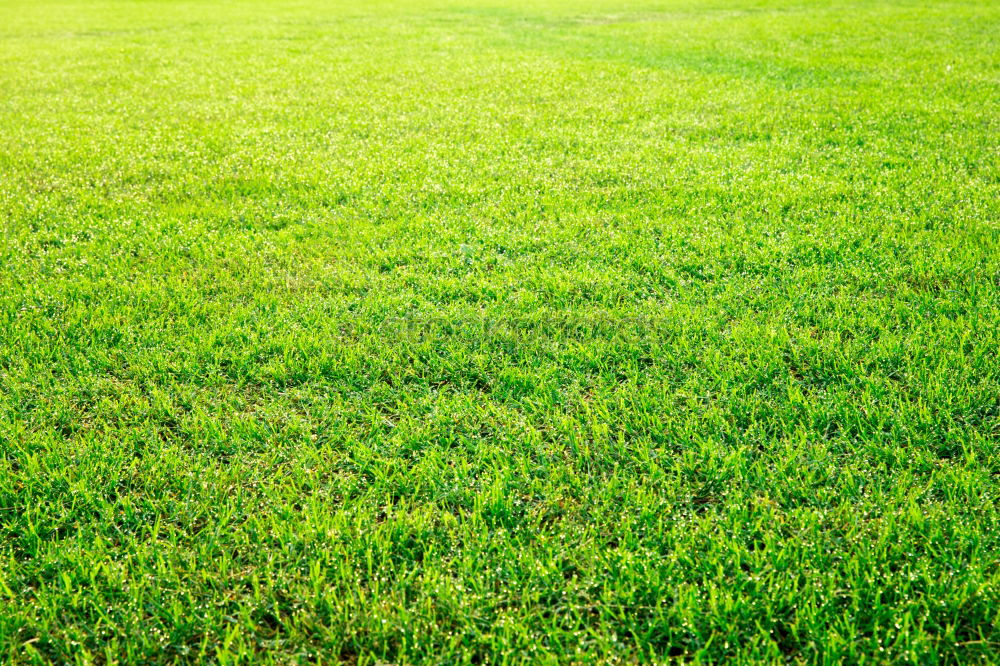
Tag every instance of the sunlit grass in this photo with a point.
(430, 331)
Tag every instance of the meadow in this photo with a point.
(495, 331)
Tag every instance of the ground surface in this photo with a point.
(499, 330)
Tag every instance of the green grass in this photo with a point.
(492, 331)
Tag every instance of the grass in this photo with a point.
(499, 331)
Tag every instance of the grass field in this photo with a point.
(490, 331)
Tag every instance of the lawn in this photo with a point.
(497, 331)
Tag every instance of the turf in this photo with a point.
(499, 331)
